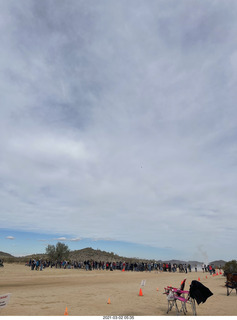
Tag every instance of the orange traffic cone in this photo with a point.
(198, 279)
(109, 302)
(157, 289)
(66, 312)
(140, 293)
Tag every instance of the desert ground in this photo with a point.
(87, 293)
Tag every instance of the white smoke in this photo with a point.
(203, 254)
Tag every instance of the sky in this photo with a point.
(118, 127)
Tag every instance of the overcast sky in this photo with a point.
(119, 122)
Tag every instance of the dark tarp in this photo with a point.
(199, 292)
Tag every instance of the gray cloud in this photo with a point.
(118, 120)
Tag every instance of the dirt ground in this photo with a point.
(86, 293)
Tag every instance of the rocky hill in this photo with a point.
(5, 255)
(90, 254)
(218, 263)
(99, 255)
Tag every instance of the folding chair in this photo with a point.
(175, 294)
(184, 298)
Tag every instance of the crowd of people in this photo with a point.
(89, 265)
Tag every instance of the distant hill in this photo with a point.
(192, 263)
(99, 255)
(5, 255)
(218, 263)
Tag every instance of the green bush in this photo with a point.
(230, 266)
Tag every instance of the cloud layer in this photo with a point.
(118, 121)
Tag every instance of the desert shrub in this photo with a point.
(230, 266)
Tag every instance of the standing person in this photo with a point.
(149, 267)
(185, 268)
(37, 265)
(210, 269)
(33, 264)
(135, 266)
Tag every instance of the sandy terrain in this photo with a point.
(86, 293)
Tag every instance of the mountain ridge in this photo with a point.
(99, 255)
(5, 254)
